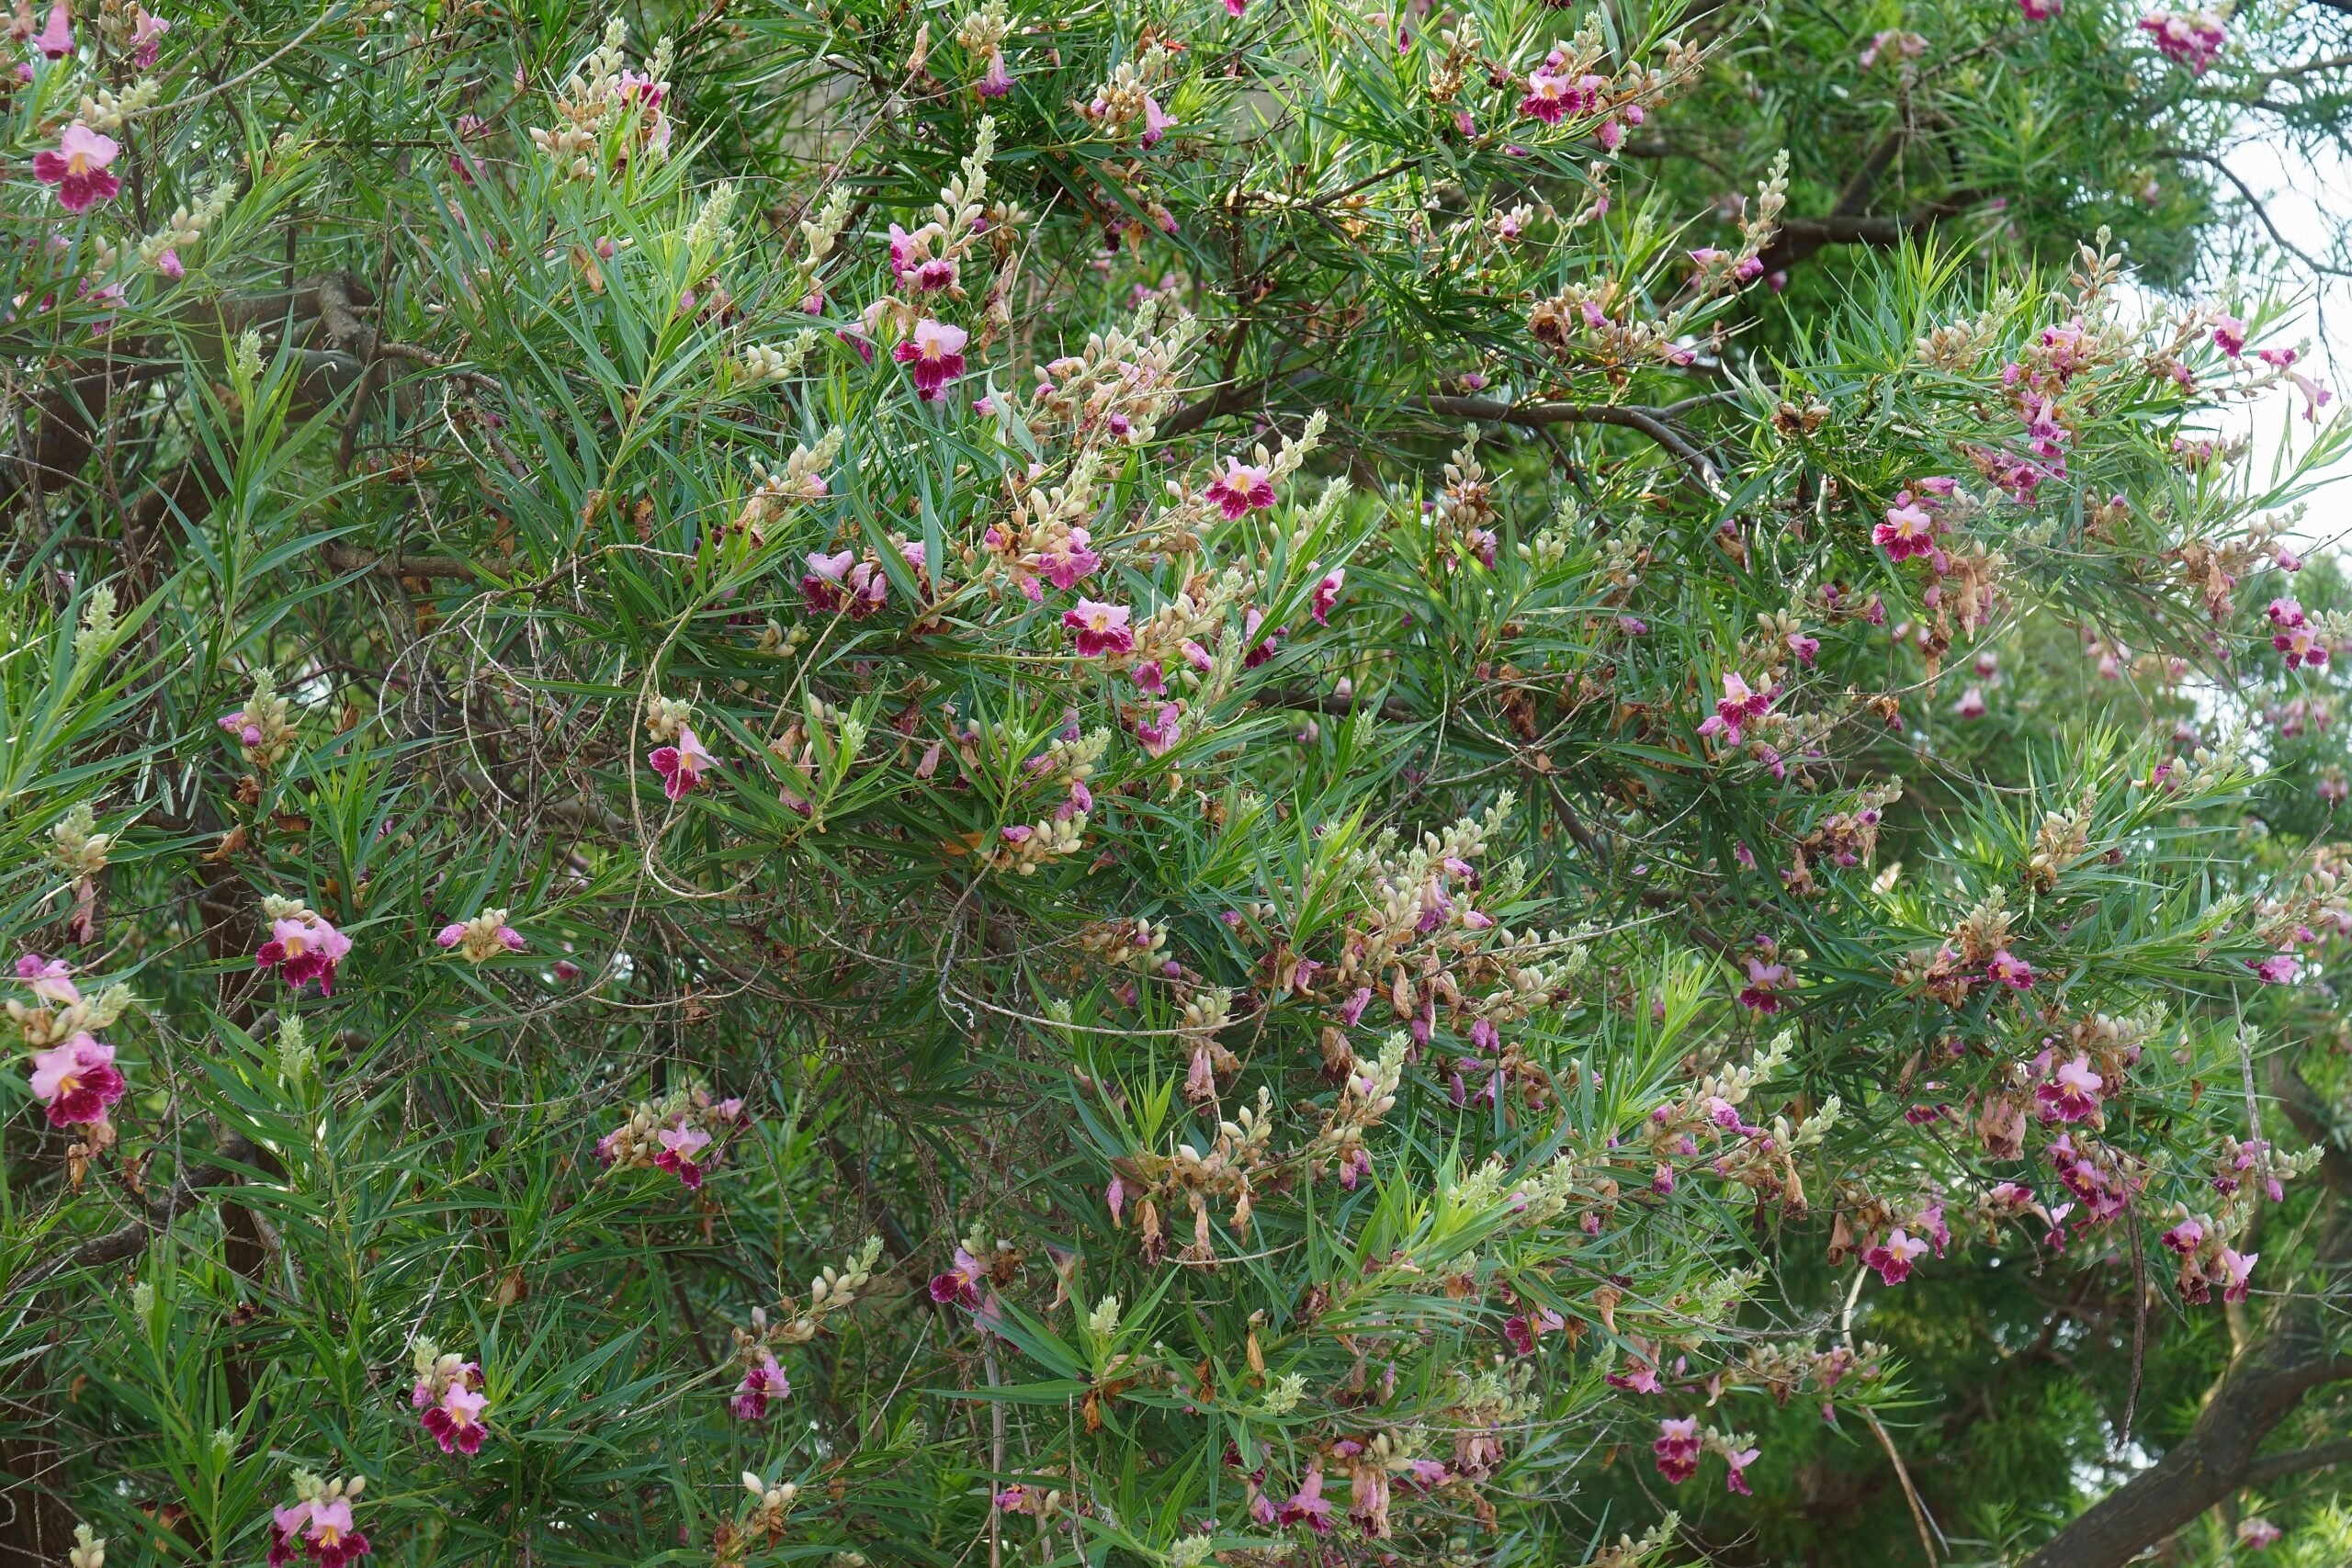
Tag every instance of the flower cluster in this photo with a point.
(318, 1526)
(677, 1136)
(482, 938)
(448, 1392)
(303, 944)
(74, 1073)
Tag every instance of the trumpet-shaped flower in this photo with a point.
(77, 1079)
(1677, 1448)
(1240, 488)
(77, 167)
(1101, 629)
(764, 1379)
(456, 1421)
(682, 765)
(2071, 1093)
(303, 947)
(1894, 1256)
(935, 353)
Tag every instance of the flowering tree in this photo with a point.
(1268, 785)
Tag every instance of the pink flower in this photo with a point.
(996, 82)
(2039, 10)
(1240, 488)
(1155, 121)
(1068, 559)
(2229, 335)
(1256, 651)
(1326, 594)
(1676, 1449)
(56, 39)
(679, 1147)
(1101, 628)
(2185, 1238)
(1739, 1461)
(302, 947)
(1738, 704)
(1149, 678)
(146, 34)
(1639, 1377)
(2073, 1092)
(1894, 1256)
(1159, 735)
(1548, 96)
(2009, 970)
(935, 350)
(1762, 994)
(1909, 529)
(2258, 1534)
(2194, 40)
(1807, 648)
(2239, 1266)
(51, 979)
(682, 765)
(2278, 969)
(456, 1422)
(960, 1284)
(78, 166)
(1307, 1505)
(763, 1381)
(78, 1079)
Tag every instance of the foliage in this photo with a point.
(1275, 784)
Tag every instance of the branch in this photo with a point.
(2191, 156)
(2295, 1461)
(162, 1209)
(1394, 709)
(342, 558)
(1624, 416)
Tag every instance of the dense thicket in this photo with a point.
(1270, 783)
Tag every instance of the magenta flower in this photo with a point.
(1762, 994)
(763, 1381)
(77, 1079)
(2229, 335)
(996, 82)
(2239, 1266)
(456, 1422)
(78, 166)
(2194, 39)
(2185, 1238)
(146, 34)
(1677, 1448)
(679, 1147)
(1159, 735)
(1101, 628)
(1739, 1460)
(682, 765)
(2015, 973)
(935, 350)
(1155, 121)
(1240, 488)
(56, 39)
(2258, 1534)
(1326, 594)
(2278, 969)
(1307, 1505)
(1068, 559)
(1894, 1256)
(961, 1282)
(1547, 97)
(1740, 704)
(2073, 1092)
(303, 947)
(51, 979)
(1257, 650)
(1149, 678)
(322, 1527)
(1909, 529)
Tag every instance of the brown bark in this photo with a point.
(2262, 1387)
